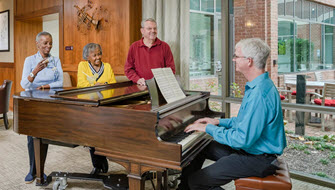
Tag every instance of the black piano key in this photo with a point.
(178, 137)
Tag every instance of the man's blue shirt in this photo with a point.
(258, 127)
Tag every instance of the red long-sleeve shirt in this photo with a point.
(142, 59)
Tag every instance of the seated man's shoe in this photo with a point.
(29, 178)
(104, 168)
(96, 171)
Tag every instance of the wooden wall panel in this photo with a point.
(135, 18)
(24, 7)
(115, 37)
(7, 73)
(24, 43)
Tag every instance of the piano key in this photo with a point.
(190, 139)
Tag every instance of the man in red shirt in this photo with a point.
(147, 53)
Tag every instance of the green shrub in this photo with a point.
(298, 146)
(324, 161)
(289, 132)
(307, 152)
(323, 146)
(235, 90)
(321, 174)
(331, 155)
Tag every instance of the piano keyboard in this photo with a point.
(190, 139)
(186, 139)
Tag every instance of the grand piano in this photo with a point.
(127, 123)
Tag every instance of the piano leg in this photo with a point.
(40, 157)
(159, 181)
(160, 176)
(166, 179)
(135, 182)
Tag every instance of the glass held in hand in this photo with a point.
(90, 79)
(45, 62)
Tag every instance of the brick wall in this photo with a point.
(325, 2)
(255, 18)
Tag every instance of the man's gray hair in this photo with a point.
(148, 19)
(90, 47)
(256, 49)
(43, 33)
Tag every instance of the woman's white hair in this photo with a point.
(90, 47)
(43, 33)
(256, 49)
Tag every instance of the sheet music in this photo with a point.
(168, 84)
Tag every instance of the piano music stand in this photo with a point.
(156, 96)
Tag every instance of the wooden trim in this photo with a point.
(39, 13)
(69, 67)
(6, 65)
(61, 34)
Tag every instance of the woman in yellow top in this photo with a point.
(93, 71)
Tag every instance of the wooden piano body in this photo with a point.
(107, 117)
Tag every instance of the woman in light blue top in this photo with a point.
(41, 71)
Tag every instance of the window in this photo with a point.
(320, 14)
(329, 47)
(298, 8)
(195, 5)
(281, 7)
(285, 46)
(307, 44)
(205, 45)
(289, 8)
(302, 46)
(313, 11)
(207, 6)
(305, 10)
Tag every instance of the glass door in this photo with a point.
(205, 47)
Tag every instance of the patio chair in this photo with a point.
(286, 96)
(326, 99)
(291, 95)
(5, 89)
(318, 76)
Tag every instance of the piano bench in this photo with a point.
(279, 181)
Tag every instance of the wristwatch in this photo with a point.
(32, 75)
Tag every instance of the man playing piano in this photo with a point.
(246, 145)
(146, 54)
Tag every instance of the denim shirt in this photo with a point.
(51, 75)
(258, 127)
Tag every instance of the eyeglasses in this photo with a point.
(237, 57)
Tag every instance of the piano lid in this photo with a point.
(103, 94)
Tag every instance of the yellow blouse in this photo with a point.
(84, 69)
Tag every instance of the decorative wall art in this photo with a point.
(4, 31)
(91, 15)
